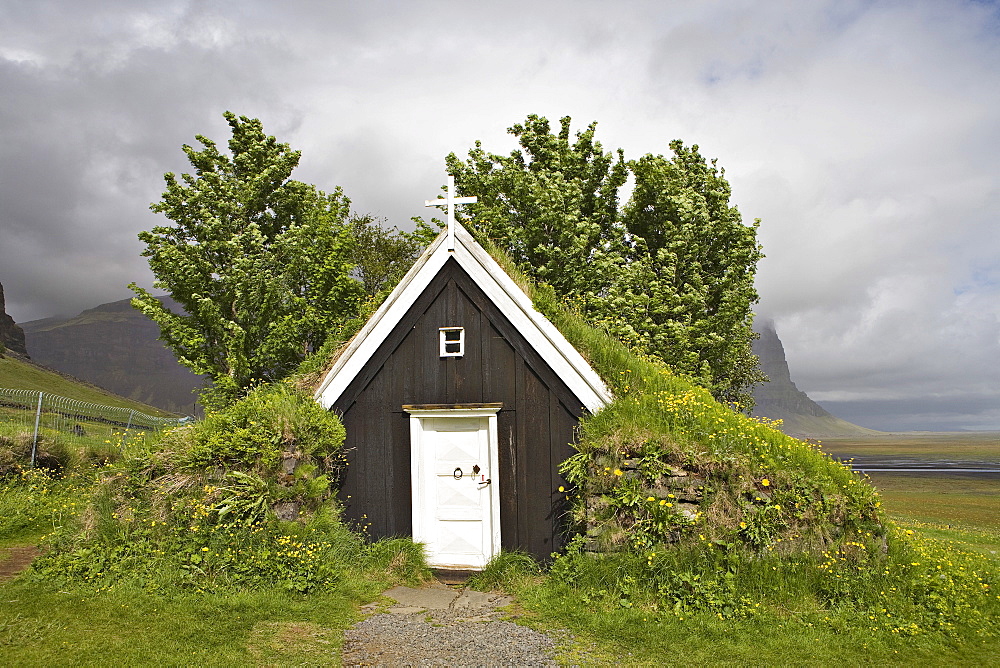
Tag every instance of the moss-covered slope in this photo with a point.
(666, 463)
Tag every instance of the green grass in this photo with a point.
(156, 560)
(954, 499)
(40, 625)
(18, 375)
(34, 504)
(50, 624)
(59, 623)
(635, 638)
(49, 618)
(800, 632)
(985, 541)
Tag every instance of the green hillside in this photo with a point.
(20, 375)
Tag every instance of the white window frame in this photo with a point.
(444, 342)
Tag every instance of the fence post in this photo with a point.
(34, 439)
(128, 428)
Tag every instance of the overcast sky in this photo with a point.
(864, 135)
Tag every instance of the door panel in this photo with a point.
(456, 509)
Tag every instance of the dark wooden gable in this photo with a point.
(536, 423)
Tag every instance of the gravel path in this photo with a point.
(438, 626)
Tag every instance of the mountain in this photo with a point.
(115, 347)
(11, 336)
(779, 399)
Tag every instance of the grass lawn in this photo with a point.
(924, 502)
(633, 638)
(47, 625)
(41, 626)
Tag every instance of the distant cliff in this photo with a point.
(11, 336)
(115, 347)
(779, 399)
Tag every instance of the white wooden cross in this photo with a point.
(450, 200)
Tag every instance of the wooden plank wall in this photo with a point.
(536, 423)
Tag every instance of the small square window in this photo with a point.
(452, 341)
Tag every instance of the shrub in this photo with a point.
(255, 432)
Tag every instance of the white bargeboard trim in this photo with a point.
(541, 334)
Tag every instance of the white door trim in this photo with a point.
(422, 496)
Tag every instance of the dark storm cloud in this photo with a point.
(90, 129)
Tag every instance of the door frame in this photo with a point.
(420, 412)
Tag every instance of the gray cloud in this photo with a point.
(864, 135)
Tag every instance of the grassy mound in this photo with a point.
(665, 463)
(239, 500)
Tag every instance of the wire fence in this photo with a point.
(51, 418)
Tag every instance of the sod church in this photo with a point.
(460, 401)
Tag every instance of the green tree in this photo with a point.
(384, 255)
(671, 272)
(552, 207)
(260, 263)
(687, 287)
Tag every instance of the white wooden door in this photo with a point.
(456, 509)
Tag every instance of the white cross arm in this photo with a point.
(450, 201)
(442, 201)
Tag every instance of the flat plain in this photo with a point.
(957, 505)
(981, 446)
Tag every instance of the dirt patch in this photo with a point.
(13, 560)
(291, 643)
